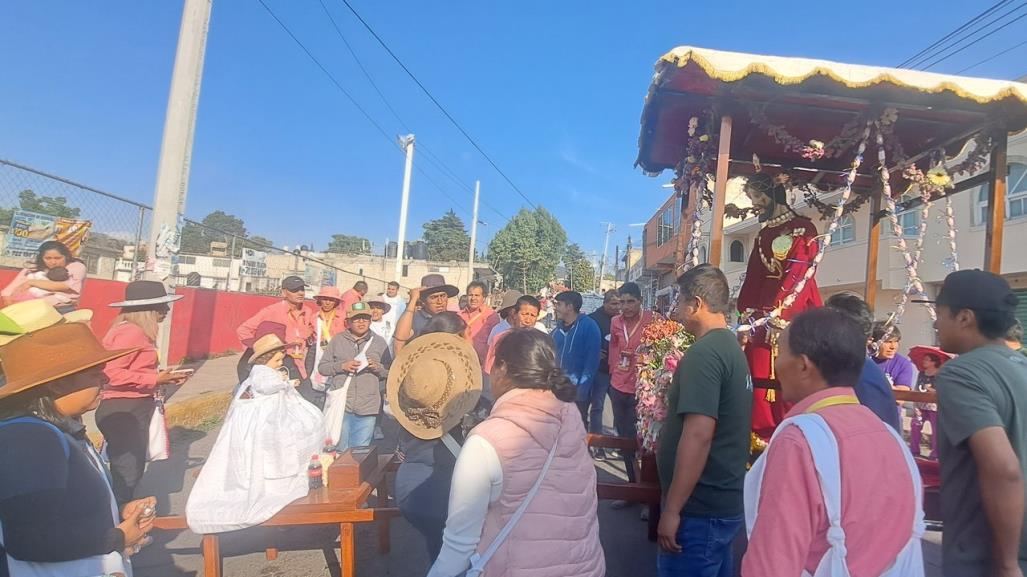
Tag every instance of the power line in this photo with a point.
(990, 33)
(429, 156)
(993, 56)
(923, 53)
(439, 105)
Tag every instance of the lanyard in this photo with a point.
(624, 327)
(832, 401)
(326, 323)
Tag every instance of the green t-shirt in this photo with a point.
(712, 379)
(986, 387)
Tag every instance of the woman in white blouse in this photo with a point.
(524, 488)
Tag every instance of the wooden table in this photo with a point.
(645, 490)
(319, 507)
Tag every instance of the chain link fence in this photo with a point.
(109, 234)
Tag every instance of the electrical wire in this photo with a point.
(993, 56)
(990, 33)
(439, 105)
(923, 54)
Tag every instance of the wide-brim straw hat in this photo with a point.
(378, 303)
(434, 381)
(266, 344)
(142, 293)
(52, 353)
(25, 317)
(917, 354)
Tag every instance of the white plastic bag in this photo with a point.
(335, 401)
(158, 447)
(258, 464)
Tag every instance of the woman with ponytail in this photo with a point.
(524, 488)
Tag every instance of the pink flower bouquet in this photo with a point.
(663, 342)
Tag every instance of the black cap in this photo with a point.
(293, 283)
(976, 290)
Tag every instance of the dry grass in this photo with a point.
(201, 413)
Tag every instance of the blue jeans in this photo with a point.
(357, 431)
(705, 548)
(590, 403)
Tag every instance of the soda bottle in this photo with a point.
(314, 473)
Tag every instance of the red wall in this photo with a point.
(203, 322)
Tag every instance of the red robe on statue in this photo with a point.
(783, 252)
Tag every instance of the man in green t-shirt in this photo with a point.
(704, 444)
(982, 434)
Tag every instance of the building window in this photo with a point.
(737, 251)
(846, 230)
(222, 263)
(187, 260)
(666, 227)
(910, 222)
(1016, 195)
(92, 264)
(677, 215)
(703, 256)
(406, 270)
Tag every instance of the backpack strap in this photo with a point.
(38, 421)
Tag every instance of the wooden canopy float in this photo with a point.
(814, 99)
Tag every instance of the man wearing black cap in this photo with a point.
(296, 317)
(426, 301)
(982, 400)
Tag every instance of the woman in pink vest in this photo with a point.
(524, 488)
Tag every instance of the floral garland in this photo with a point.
(698, 163)
(774, 316)
(696, 237)
(952, 262)
(811, 193)
(813, 149)
(663, 341)
(912, 261)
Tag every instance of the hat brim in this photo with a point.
(386, 307)
(49, 374)
(461, 403)
(923, 301)
(77, 316)
(351, 316)
(253, 358)
(917, 354)
(147, 302)
(329, 297)
(450, 290)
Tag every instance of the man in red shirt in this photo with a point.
(291, 312)
(480, 319)
(355, 294)
(625, 336)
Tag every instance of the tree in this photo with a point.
(258, 242)
(348, 244)
(527, 250)
(51, 205)
(580, 272)
(445, 238)
(196, 239)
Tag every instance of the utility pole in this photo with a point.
(474, 232)
(606, 245)
(616, 263)
(176, 150)
(407, 142)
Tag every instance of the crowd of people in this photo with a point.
(493, 413)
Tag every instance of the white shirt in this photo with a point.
(398, 305)
(384, 329)
(504, 326)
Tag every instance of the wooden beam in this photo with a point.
(873, 250)
(996, 205)
(720, 192)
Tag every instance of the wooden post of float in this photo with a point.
(873, 250)
(720, 192)
(996, 205)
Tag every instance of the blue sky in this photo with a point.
(551, 90)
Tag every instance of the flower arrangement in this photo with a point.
(663, 341)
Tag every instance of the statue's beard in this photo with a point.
(764, 214)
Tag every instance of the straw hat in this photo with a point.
(143, 293)
(329, 292)
(25, 317)
(379, 303)
(434, 381)
(50, 354)
(266, 344)
(509, 301)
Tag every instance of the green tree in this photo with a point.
(257, 242)
(580, 272)
(52, 205)
(527, 250)
(445, 238)
(349, 244)
(196, 239)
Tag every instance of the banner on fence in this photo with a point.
(31, 229)
(254, 263)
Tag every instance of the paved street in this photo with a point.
(311, 551)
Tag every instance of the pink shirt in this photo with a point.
(877, 498)
(133, 376)
(625, 338)
(479, 324)
(76, 276)
(348, 298)
(298, 328)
